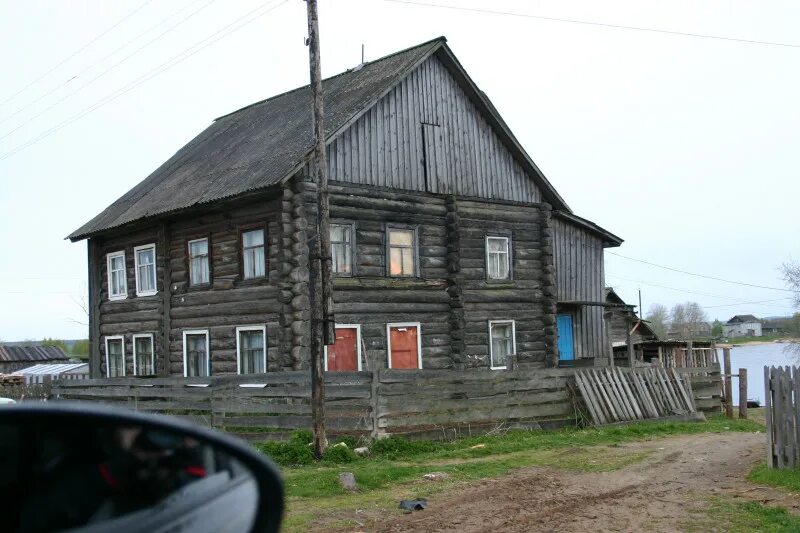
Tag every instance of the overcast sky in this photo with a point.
(686, 147)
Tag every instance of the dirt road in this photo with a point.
(665, 492)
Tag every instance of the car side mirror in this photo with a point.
(86, 468)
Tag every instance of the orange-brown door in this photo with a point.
(343, 356)
(404, 346)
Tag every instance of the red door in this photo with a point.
(404, 346)
(343, 356)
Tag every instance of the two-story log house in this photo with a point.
(450, 247)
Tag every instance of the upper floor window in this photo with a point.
(253, 254)
(251, 348)
(498, 258)
(401, 251)
(199, 273)
(145, 259)
(117, 282)
(342, 248)
(143, 355)
(115, 356)
(502, 342)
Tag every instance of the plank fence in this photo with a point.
(782, 403)
(426, 403)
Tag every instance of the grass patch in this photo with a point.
(788, 478)
(744, 517)
(396, 465)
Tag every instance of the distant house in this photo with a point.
(14, 358)
(772, 326)
(743, 326)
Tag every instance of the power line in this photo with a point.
(687, 291)
(74, 77)
(103, 73)
(76, 52)
(698, 275)
(601, 24)
(741, 303)
(179, 58)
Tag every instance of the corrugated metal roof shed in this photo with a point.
(52, 369)
(32, 353)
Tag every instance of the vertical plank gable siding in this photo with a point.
(578, 259)
(458, 153)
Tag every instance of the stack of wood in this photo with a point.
(616, 395)
(12, 379)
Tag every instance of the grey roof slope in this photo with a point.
(32, 353)
(741, 319)
(263, 143)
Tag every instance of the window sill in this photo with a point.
(499, 368)
(117, 298)
(145, 294)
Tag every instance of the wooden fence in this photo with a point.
(442, 403)
(706, 383)
(782, 403)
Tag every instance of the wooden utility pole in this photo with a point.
(322, 320)
(742, 393)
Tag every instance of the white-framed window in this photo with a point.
(401, 249)
(117, 276)
(199, 272)
(196, 355)
(498, 257)
(251, 349)
(502, 342)
(144, 358)
(115, 356)
(342, 249)
(342, 357)
(404, 345)
(253, 254)
(145, 261)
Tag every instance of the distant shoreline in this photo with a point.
(758, 343)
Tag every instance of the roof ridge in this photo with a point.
(441, 39)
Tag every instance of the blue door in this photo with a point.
(566, 343)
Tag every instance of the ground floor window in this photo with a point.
(404, 345)
(143, 355)
(345, 354)
(196, 358)
(502, 342)
(115, 356)
(251, 349)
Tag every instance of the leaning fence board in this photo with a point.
(633, 394)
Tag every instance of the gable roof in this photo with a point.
(263, 144)
(31, 353)
(741, 319)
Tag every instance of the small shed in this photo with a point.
(14, 358)
(38, 373)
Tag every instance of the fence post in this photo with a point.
(726, 355)
(742, 393)
(768, 417)
(376, 379)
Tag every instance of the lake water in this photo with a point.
(754, 359)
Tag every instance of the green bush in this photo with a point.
(340, 455)
(295, 452)
(396, 447)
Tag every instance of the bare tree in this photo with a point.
(791, 274)
(658, 316)
(677, 321)
(688, 320)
